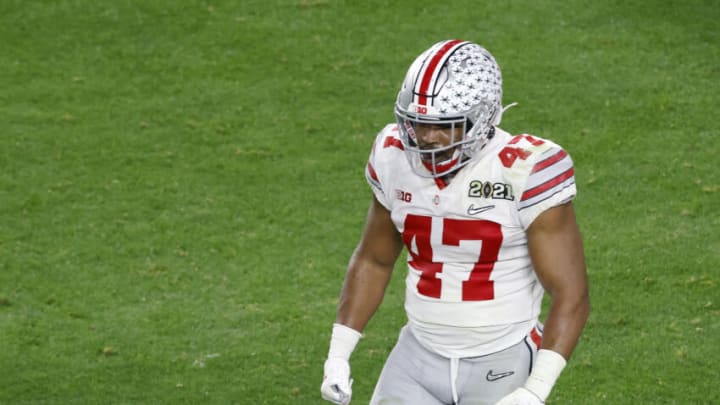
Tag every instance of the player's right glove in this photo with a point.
(520, 396)
(545, 372)
(337, 384)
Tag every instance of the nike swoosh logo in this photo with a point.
(494, 377)
(473, 210)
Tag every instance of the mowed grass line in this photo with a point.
(182, 186)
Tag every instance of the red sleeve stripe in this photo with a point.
(372, 177)
(371, 172)
(528, 194)
(560, 155)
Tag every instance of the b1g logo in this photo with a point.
(486, 189)
(403, 195)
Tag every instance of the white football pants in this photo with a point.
(413, 375)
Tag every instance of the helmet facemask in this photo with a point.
(454, 84)
(434, 162)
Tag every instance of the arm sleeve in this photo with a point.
(377, 163)
(550, 182)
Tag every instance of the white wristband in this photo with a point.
(343, 341)
(545, 372)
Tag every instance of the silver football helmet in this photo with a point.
(452, 84)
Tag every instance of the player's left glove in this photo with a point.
(545, 372)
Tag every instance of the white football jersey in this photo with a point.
(470, 288)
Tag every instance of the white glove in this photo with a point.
(545, 372)
(337, 384)
(520, 396)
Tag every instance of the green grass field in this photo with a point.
(181, 186)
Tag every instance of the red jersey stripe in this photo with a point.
(390, 141)
(536, 337)
(547, 185)
(371, 171)
(549, 161)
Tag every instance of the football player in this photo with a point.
(489, 226)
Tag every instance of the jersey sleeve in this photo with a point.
(548, 180)
(377, 164)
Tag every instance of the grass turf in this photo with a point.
(181, 186)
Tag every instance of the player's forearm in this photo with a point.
(563, 327)
(362, 293)
(565, 322)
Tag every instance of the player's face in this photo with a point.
(433, 136)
